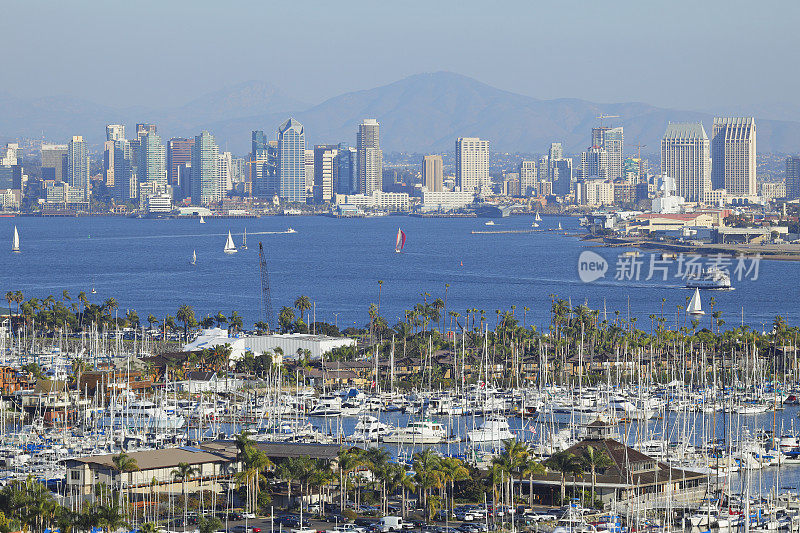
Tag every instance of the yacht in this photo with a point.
(369, 429)
(327, 406)
(422, 432)
(489, 223)
(494, 429)
(140, 415)
(710, 278)
(291, 230)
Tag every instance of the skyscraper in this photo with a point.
(11, 174)
(205, 173)
(346, 169)
(528, 177)
(325, 172)
(151, 167)
(78, 166)
(144, 128)
(612, 140)
(594, 163)
(733, 155)
(686, 158)
(108, 163)
(309, 159)
(225, 169)
(370, 157)
(258, 142)
(115, 132)
(292, 161)
(179, 152)
(792, 178)
(54, 161)
(433, 173)
(125, 182)
(472, 164)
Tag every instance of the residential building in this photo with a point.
(205, 173)
(686, 157)
(596, 192)
(151, 166)
(385, 201)
(126, 185)
(115, 132)
(11, 176)
(472, 165)
(346, 169)
(793, 177)
(325, 168)
(292, 161)
(263, 165)
(733, 155)
(179, 152)
(594, 163)
(528, 176)
(612, 141)
(561, 176)
(772, 190)
(54, 161)
(108, 164)
(309, 159)
(224, 168)
(446, 200)
(78, 166)
(370, 157)
(144, 128)
(433, 173)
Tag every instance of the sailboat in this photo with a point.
(401, 241)
(559, 226)
(15, 244)
(537, 218)
(695, 308)
(194, 257)
(202, 220)
(230, 248)
(535, 225)
(244, 240)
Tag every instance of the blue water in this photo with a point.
(337, 263)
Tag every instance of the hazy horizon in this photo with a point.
(709, 56)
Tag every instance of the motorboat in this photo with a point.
(709, 278)
(494, 429)
(421, 432)
(369, 429)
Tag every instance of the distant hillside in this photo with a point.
(421, 113)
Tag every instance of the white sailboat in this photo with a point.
(695, 308)
(537, 218)
(194, 257)
(244, 240)
(15, 244)
(535, 225)
(202, 220)
(230, 248)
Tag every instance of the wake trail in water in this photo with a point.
(170, 236)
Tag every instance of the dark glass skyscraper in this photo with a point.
(291, 161)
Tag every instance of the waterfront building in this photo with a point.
(346, 169)
(385, 201)
(433, 173)
(733, 155)
(78, 166)
(325, 172)
(472, 165)
(370, 157)
(528, 176)
(115, 132)
(151, 166)
(54, 161)
(686, 157)
(179, 152)
(289, 343)
(205, 173)
(444, 201)
(125, 182)
(309, 159)
(292, 161)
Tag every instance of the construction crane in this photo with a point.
(602, 116)
(266, 296)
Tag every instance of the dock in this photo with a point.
(501, 231)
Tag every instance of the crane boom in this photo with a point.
(266, 296)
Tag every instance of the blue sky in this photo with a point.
(686, 54)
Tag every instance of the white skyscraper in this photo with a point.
(528, 177)
(370, 157)
(115, 132)
(224, 167)
(733, 155)
(686, 158)
(472, 165)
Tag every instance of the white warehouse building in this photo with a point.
(289, 343)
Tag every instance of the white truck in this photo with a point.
(390, 523)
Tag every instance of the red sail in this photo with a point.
(401, 240)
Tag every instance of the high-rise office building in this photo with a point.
(433, 173)
(561, 175)
(346, 169)
(108, 164)
(151, 167)
(556, 152)
(594, 163)
(370, 157)
(309, 158)
(612, 140)
(258, 142)
(78, 166)
(686, 158)
(115, 132)
(54, 161)
(472, 165)
(793, 178)
(528, 176)
(733, 155)
(179, 152)
(11, 171)
(144, 128)
(325, 172)
(292, 161)
(126, 186)
(205, 173)
(225, 169)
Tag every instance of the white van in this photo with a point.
(390, 523)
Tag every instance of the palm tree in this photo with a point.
(302, 304)
(452, 470)
(595, 460)
(236, 323)
(109, 516)
(185, 314)
(184, 471)
(123, 463)
(427, 476)
(564, 464)
(348, 461)
(321, 476)
(532, 467)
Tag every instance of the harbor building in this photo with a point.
(733, 155)
(472, 165)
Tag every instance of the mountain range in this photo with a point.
(420, 113)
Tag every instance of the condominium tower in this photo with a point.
(205, 171)
(686, 157)
(472, 164)
(370, 157)
(433, 173)
(292, 161)
(733, 155)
